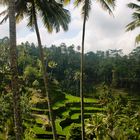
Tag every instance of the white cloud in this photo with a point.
(102, 31)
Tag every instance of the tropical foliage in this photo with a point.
(109, 69)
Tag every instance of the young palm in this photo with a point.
(53, 16)
(136, 19)
(106, 5)
(14, 69)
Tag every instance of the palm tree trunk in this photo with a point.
(82, 77)
(44, 71)
(14, 71)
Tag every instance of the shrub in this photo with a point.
(75, 132)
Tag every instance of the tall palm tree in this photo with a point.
(43, 62)
(136, 19)
(106, 4)
(53, 16)
(86, 6)
(14, 71)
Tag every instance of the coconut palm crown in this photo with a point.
(52, 13)
(136, 19)
(107, 5)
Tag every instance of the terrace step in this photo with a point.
(49, 136)
(40, 111)
(86, 104)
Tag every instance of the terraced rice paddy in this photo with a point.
(66, 113)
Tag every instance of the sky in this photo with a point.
(103, 31)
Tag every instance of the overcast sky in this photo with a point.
(103, 31)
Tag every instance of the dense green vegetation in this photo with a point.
(111, 67)
(110, 102)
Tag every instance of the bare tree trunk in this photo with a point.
(82, 77)
(14, 71)
(44, 73)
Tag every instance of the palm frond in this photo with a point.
(4, 19)
(21, 10)
(131, 26)
(55, 16)
(137, 40)
(136, 19)
(107, 5)
(19, 17)
(52, 13)
(31, 20)
(5, 14)
(86, 8)
(77, 2)
(134, 6)
(136, 15)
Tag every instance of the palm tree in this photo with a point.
(44, 70)
(53, 16)
(14, 71)
(85, 12)
(136, 19)
(106, 5)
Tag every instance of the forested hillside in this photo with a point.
(112, 67)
